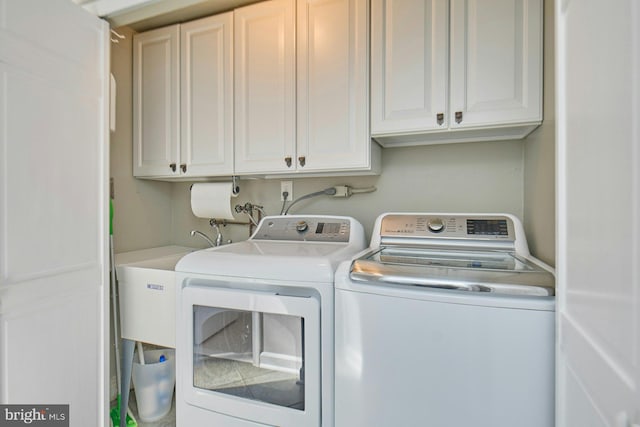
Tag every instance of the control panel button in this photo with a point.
(302, 226)
(436, 225)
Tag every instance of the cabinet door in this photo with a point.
(156, 111)
(264, 47)
(206, 96)
(496, 62)
(333, 131)
(409, 65)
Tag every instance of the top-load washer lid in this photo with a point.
(474, 271)
(466, 252)
(292, 247)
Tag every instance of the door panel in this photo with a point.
(598, 155)
(53, 211)
(41, 168)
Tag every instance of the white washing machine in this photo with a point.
(445, 321)
(254, 335)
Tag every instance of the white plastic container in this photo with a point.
(153, 383)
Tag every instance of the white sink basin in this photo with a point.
(165, 263)
(146, 281)
(162, 258)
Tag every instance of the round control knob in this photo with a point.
(436, 225)
(302, 226)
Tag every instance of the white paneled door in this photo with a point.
(598, 209)
(53, 207)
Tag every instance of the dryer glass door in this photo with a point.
(249, 354)
(253, 354)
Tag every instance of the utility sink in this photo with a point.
(167, 263)
(147, 294)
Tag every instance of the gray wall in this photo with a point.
(539, 161)
(142, 208)
(478, 177)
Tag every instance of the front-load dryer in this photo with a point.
(254, 343)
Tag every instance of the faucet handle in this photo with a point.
(216, 227)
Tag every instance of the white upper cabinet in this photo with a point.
(323, 127)
(206, 96)
(409, 65)
(183, 100)
(496, 62)
(265, 116)
(461, 70)
(156, 94)
(333, 86)
(274, 88)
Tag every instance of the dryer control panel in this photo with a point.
(304, 229)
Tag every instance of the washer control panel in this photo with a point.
(482, 227)
(304, 229)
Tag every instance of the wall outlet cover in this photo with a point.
(288, 187)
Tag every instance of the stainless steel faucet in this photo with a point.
(216, 227)
(205, 237)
